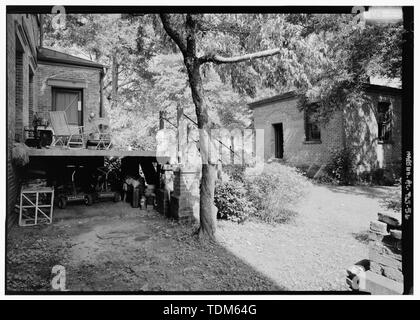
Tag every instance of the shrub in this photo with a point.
(235, 172)
(341, 167)
(231, 201)
(274, 191)
(384, 177)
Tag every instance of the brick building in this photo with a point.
(22, 41)
(61, 77)
(373, 130)
(41, 80)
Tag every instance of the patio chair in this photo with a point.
(65, 134)
(100, 137)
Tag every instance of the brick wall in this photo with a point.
(11, 101)
(73, 76)
(296, 150)
(19, 91)
(22, 35)
(355, 127)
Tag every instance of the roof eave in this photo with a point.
(280, 97)
(70, 63)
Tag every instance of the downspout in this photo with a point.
(101, 89)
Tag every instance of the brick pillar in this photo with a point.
(385, 247)
(185, 200)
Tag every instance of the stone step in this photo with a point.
(390, 219)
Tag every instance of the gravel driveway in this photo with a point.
(313, 251)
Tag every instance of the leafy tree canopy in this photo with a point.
(325, 57)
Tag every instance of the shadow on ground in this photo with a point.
(362, 236)
(377, 192)
(113, 247)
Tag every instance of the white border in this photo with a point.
(186, 296)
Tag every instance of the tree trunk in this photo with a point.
(114, 92)
(188, 48)
(208, 210)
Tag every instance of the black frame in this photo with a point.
(278, 141)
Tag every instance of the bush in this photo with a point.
(341, 168)
(235, 172)
(231, 201)
(274, 191)
(384, 177)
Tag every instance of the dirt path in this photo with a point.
(112, 247)
(312, 252)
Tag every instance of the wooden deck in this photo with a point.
(72, 152)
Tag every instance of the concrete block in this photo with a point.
(383, 249)
(397, 234)
(375, 267)
(353, 283)
(387, 240)
(354, 270)
(379, 227)
(386, 248)
(379, 285)
(384, 260)
(389, 219)
(393, 274)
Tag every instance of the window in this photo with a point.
(384, 122)
(312, 128)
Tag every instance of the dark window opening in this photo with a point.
(278, 140)
(312, 127)
(384, 121)
(70, 101)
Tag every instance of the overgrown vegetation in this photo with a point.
(267, 196)
(232, 202)
(274, 191)
(394, 201)
(341, 168)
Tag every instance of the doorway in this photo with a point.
(70, 101)
(278, 140)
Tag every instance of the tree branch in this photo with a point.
(250, 56)
(171, 31)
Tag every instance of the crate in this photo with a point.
(36, 206)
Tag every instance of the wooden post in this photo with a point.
(182, 138)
